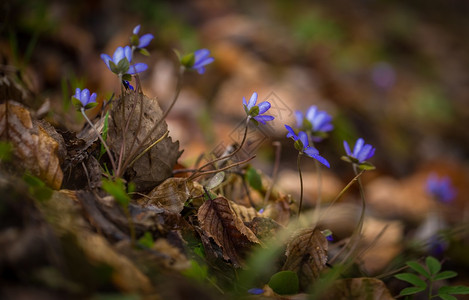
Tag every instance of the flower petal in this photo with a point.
(106, 58)
(252, 101)
(322, 160)
(128, 53)
(347, 148)
(118, 55)
(93, 98)
(363, 154)
(137, 68)
(78, 93)
(136, 29)
(85, 96)
(311, 113)
(310, 151)
(201, 54)
(244, 102)
(303, 138)
(291, 133)
(358, 147)
(200, 70)
(263, 119)
(299, 118)
(263, 107)
(145, 40)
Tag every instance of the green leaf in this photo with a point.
(254, 111)
(447, 297)
(196, 271)
(284, 283)
(188, 60)
(254, 179)
(146, 240)
(445, 275)
(123, 65)
(412, 278)
(37, 188)
(127, 77)
(458, 290)
(117, 190)
(418, 268)
(6, 150)
(113, 67)
(91, 105)
(366, 166)
(433, 265)
(134, 40)
(144, 51)
(411, 290)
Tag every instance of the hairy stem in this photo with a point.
(100, 138)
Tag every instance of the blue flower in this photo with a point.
(140, 42)
(201, 59)
(120, 62)
(83, 99)
(302, 145)
(361, 152)
(316, 121)
(440, 188)
(256, 291)
(256, 111)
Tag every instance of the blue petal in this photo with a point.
(252, 101)
(321, 159)
(106, 58)
(347, 149)
(93, 98)
(303, 138)
(299, 118)
(136, 29)
(84, 97)
(200, 70)
(263, 107)
(118, 55)
(201, 54)
(370, 155)
(358, 147)
(128, 53)
(326, 127)
(137, 68)
(363, 154)
(310, 151)
(255, 291)
(78, 93)
(263, 118)
(291, 133)
(244, 102)
(145, 40)
(311, 113)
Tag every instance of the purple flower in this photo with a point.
(440, 188)
(361, 151)
(316, 121)
(140, 42)
(120, 62)
(201, 59)
(302, 145)
(256, 291)
(83, 99)
(256, 111)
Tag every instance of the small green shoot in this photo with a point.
(431, 273)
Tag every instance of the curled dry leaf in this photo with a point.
(358, 288)
(36, 150)
(172, 194)
(131, 126)
(307, 255)
(219, 222)
(246, 214)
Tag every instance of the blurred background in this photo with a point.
(392, 72)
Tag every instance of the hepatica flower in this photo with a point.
(361, 153)
(315, 121)
(256, 112)
(197, 60)
(140, 42)
(83, 99)
(302, 145)
(440, 188)
(120, 65)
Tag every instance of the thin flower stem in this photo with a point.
(301, 182)
(223, 157)
(100, 138)
(319, 191)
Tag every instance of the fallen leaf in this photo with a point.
(131, 125)
(358, 288)
(36, 150)
(219, 222)
(246, 214)
(172, 194)
(279, 210)
(264, 228)
(307, 255)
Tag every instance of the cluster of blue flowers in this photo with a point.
(120, 64)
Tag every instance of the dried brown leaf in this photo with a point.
(246, 214)
(36, 150)
(307, 255)
(219, 222)
(264, 228)
(157, 164)
(172, 194)
(358, 288)
(279, 210)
